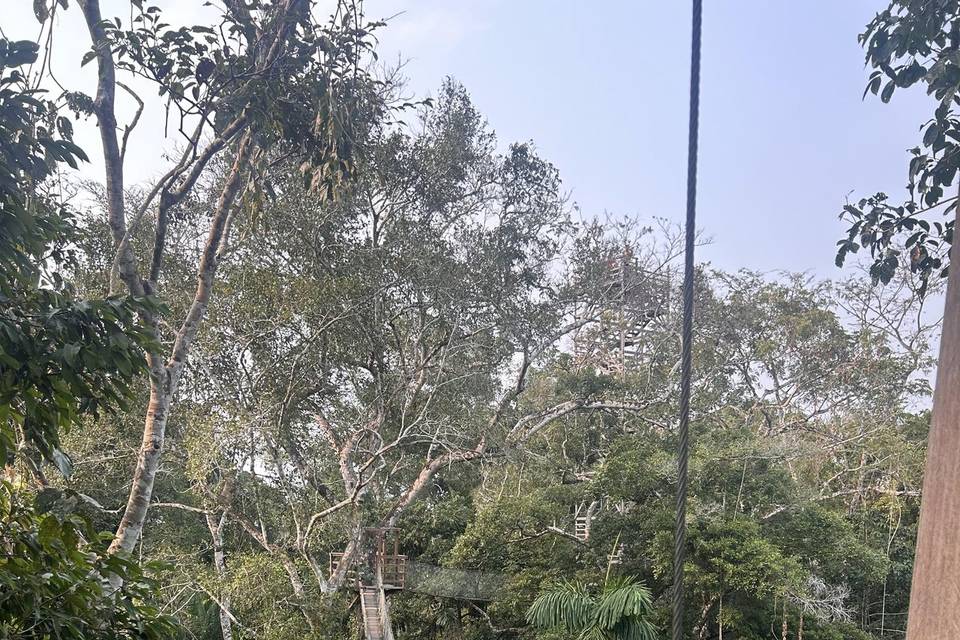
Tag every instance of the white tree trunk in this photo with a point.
(220, 564)
(148, 461)
(163, 385)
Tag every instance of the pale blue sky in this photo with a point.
(601, 88)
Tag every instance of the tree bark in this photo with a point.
(103, 108)
(720, 619)
(220, 564)
(426, 475)
(935, 592)
(173, 188)
(163, 386)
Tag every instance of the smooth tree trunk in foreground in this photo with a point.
(935, 592)
(172, 189)
(163, 388)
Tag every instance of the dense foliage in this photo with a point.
(379, 325)
(55, 577)
(358, 342)
(60, 356)
(913, 42)
(63, 357)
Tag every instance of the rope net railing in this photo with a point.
(444, 582)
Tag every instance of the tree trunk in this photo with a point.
(141, 489)
(164, 377)
(298, 590)
(935, 593)
(163, 386)
(720, 620)
(702, 627)
(220, 564)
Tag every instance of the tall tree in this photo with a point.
(402, 325)
(263, 74)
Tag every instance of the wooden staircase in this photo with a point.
(384, 569)
(581, 528)
(583, 519)
(370, 610)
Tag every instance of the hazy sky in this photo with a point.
(601, 88)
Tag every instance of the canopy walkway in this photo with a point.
(383, 570)
(427, 579)
(462, 584)
(372, 606)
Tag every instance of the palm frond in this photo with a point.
(620, 613)
(622, 598)
(596, 633)
(634, 629)
(563, 604)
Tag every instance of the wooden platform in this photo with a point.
(394, 567)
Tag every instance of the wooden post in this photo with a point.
(935, 592)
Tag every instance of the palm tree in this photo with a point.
(620, 612)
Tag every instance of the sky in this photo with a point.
(601, 89)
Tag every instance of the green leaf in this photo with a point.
(70, 352)
(887, 92)
(40, 10)
(20, 53)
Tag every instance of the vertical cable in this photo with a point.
(686, 356)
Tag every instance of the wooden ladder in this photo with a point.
(582, 527)
(370, 609)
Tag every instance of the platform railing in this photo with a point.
(394, 568)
